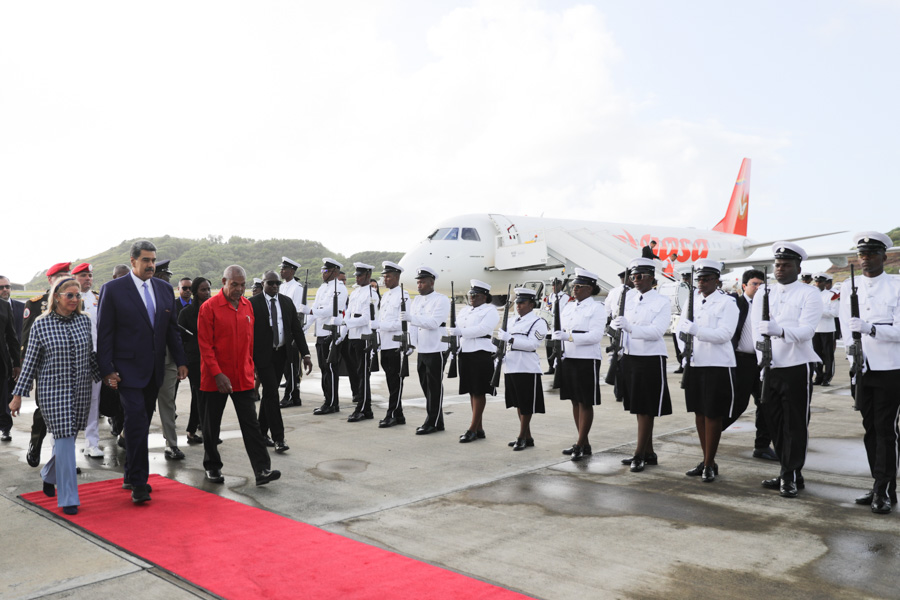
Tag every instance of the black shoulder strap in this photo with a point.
(743, 311)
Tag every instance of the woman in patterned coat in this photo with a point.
(60, 356)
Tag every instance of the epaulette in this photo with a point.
(297, 279)
(37, 298)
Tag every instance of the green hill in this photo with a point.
(209, 257)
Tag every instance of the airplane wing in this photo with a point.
(756, 245)
(838, 259)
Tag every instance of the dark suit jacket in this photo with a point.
(9, 347)
(18, 310)
(743, 310)
(647, 252)
(126, 342)
(262, 328)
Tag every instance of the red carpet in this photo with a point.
(237, 551)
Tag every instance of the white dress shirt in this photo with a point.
(716, 317)
(278, 316)
(389, 317)
(528, 334)
(585, 322)
(831, 308)
(649, 315)
(476, 326)
(746, 344)
(428, 314)
(797, 308)
(879, 305)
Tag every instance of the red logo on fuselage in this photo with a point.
(686, 249)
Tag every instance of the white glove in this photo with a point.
(621, 323)
(504, 336)
(857, 325)
(454, 331)
(410, 351)
(688, 327)
(343, 336)
(770, 327)
(560, 336)
(306, 310)
(338, 320)
(404, 316)
(374, 325)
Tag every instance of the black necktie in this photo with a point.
(274, 312)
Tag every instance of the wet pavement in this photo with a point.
(530, 521)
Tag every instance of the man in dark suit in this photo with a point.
(648, 251)
(136, 323)
(9, 354)
(276, 327)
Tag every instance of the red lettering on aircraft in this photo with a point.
(688, 250)
(701, 249)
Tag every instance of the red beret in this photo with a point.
(83, 268)
(58, 268)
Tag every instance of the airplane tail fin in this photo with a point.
(735, 220)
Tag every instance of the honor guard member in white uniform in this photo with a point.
(645, 390)
(806, 277)
(710, 381)
(522, 365)
(824, 339)
(257, 287)
(392, 361)
(293, 290)
(558, 295)
(428, 314)
(84, 275)
(474, 326)
(583, 322)
(878, 395)
(321, 314)
(794, 311)
(359, 357)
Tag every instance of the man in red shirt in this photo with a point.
(225, 337)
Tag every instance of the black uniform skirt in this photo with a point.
(476, 369)
(580, 380)
(525, 392)
(710, 391)
(645, 390)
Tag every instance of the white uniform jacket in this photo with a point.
(90, 301)
(358, 311)
(528, 334)
(797, 308)
(716, 317)
(293, 290)
(323, 306)
(476, 326)
(879, 305)
(831, 308)
(584, 322)
(389, 316)
(429, 316)
(649, 315)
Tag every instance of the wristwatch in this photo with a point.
(872, 331)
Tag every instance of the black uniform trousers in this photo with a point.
(196, 416)
(431, 374)
(746, 385)
(788, 413)
(330, 379)
(348, 368)
(138, 405)
(879, 404)
(391, 364)
(291, 370)
(269, 409)
(6, 387)
(245, 408)
(359, 367)
(823, 345)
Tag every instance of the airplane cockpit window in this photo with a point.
(470, 234)
(453, 234)
(445, 233)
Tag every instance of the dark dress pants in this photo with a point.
(245, 408)
(6, 387)
(391, 363)
(879, 404)
(291, 370)
(196, 406)
(269, 409)
(746, 385)
(138, 405)
(330, 379)
(359, 365)
(823, 345)
(788, 414)
(431, 374)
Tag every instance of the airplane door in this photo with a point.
(509, 235)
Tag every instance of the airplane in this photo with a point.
(504, 250)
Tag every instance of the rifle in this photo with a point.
(555, 347)
(452, 340)
(501, 346)
(303, 299)
(403, 338)
(765, 346)
(615, 346)
(855, 349)
(372, 338)
(333, 354)
(687, 338)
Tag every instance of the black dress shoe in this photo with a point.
(520, 444)
(173, 453)
(269, 442)
(128, 486)
(193, 438)
(4, 436)
(358, 416)
(828, 384)
(696, 471)
(326, 409)
(297, 402)
(70, 510)
(765, 453)
(387, 422)
(468, 436)
(586, 450)
(285, 403)
(214, 476)
(140, 494)
(267, 475)
(772, 484)
(788, 489)
(49, 489)
(480, 433)
(528, 442)
(865, 498)
(709, 475)
(881, 504)
(651, 459)
(637, 465)
(577, 453)
(680, 369)
(33, 456)
(281, 447)
(426, 429)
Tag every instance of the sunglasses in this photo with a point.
(639, 276)
(274, 282)
(5, 287)
(185, 287)
(71, 296)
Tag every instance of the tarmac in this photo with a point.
(530, 521)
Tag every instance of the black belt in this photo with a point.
(357, 315)
(575, 331)
(883, 323)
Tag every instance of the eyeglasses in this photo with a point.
(5, 287)
(71, 296)
(274, 282)
(639, 276)
(185, 287)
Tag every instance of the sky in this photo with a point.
(364, 124)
